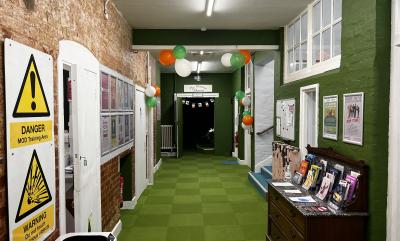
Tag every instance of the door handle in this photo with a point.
(84, 160)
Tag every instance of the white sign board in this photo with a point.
(30, 142)
(197, 88)
(285, 118)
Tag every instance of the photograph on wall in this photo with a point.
(113, 88)
(130, 92)
(105, 134)
(330, 118)
(114, 140)
(121, 134)
(126, 96)
(127, 128)
(353, 111)
(120, 94)
(104, 92)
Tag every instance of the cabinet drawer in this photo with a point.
(275, 234)
(287, 228)
(288, 210)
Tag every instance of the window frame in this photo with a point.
(318, 68)
(119, 110)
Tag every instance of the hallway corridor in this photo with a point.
(197, 198)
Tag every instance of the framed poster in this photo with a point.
(286, 112)
(330, 117)
(114, 140)
(353, 118)
(121, 134)
(120, 94)
(105, 134)
(113, 83)
(104, 92)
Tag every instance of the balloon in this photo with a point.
(247, 120)
(246, 101)
(237, 60)
(150, 91)
(167, 57)
(226, 60)
(247, 55)
(246, 127)
(158, 90)
(179, 52)
(247, 112)
(151, 102)
(239, 95)
(183, 67)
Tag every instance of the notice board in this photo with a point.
(285, 118)
(30, 142)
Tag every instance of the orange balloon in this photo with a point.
(241, 102)
(158, 91)
(167, 57)
(246, 54)
(247, 120)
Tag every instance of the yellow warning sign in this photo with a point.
(31, 101)
(36, 192)
(30, 133)
(35, 227)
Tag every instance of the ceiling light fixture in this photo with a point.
(210, 7)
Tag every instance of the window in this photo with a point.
(313, 40)
(117, 110)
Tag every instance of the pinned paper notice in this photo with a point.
(282, 184)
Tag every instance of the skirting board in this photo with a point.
(156, 167)
(117, 228)
(129, 204)
(263, 163)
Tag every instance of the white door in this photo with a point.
(140, 143)
(309, 97)
(86, 134)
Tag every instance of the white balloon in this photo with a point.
(150, 91)
(226, 60)
(183, 67)
(246, 101)
(246, 127)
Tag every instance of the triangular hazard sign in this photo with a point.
(36, 193)
(31, 100)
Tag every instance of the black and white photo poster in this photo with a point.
(353, 118)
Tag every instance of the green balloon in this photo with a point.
(151, 102)
(247, 112)
(238, 60)
(179, 52)
(239, 95)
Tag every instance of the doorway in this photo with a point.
(309, 96)
(141, 140)
(198, 124)
(79, 101)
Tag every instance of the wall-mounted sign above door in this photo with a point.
(198, 88)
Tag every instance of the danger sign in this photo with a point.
(30, 142)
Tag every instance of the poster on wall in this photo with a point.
(30, 144)
(104, 92)
(105, 132)
(353, 118)
(285, 118)
(330, 118)
(113, 83)
(114, 140)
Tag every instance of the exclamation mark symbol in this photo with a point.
(33, 80)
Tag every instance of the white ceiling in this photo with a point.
(228, 14)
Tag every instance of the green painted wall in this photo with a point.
(210, 37)
(238, 84)
(364, 67)
(222, 84)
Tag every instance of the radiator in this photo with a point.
(167, 137)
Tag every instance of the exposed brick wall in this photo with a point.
(41, 25)
(110, 190)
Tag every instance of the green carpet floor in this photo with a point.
(197, 198)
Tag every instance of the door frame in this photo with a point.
(304, 118)
(393, 203)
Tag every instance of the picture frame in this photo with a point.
(330, 118)
(353, 118)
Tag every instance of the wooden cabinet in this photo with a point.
(287, 221)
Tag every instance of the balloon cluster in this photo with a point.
(152, 91)
(183, 67)
(237, 59)
(245, 100)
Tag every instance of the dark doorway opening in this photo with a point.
(198, 124)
